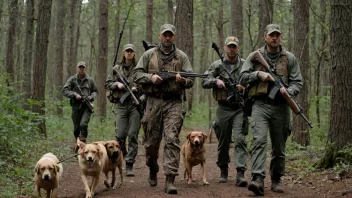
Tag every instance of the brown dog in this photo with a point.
(115, 159)
(91, 159)
(47, 175)
(193, 153)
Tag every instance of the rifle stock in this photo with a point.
(295, 107)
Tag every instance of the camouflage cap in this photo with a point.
(167, 27)
(272, 28)
(81, 63)
(232, 40)
(129, 46)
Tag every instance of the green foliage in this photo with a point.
(198, 118)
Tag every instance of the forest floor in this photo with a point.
(313, 184)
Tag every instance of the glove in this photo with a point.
(264, 76)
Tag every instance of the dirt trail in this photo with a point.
(315, 185)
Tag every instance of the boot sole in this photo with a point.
(172, 192)
(256, 190)
(242, 184)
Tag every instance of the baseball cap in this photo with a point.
(81, 63)
(272, 28)
(167, 27)
(129, 46)
(232, 40)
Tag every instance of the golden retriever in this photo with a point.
(47, 175)
(92, 158)
(193, 153)
(115, 159)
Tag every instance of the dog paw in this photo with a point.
(205, 183)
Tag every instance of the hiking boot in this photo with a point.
(153, 170)
(169, 184)
(224, 174)
(257, 185)
(129, 169)
(240, 180)
(276, 186)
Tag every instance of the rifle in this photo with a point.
(172, 74)
(148, 45)
(120, 36)
(127, 89)
(279, 83)
(85, 99)
(231, 84)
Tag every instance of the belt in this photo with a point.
(227, 104)
(165, 96)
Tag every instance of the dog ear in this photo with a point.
(204, 136)
(56, 168)
(188, 136)
(80, 144)
(37, 169)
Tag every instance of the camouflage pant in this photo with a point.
(80, 117)
(163, 118)
(229, 119)
(127, 124)
(275, 119)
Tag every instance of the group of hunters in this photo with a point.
(241, 88)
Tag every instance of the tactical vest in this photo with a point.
(220, 94)
(115, 95)
(263, 88)
(168, 86)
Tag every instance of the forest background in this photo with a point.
(42, 40)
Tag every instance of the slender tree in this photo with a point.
(149, 21)
(59, 55)
(102, 57)
(28, 52)
(170, 12)
(184, 31)
(220, 23)
(40, 60)
(71, 52)
(205, 47)
(11, 33)
(301, 51)
(237, 19)
(340, 131)
(266, 8)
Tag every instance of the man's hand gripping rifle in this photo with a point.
(279, 83)
(233, 95)
(85, 98)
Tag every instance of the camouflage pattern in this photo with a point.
(163, 113)
(127, 117)
(80, 112)
(271, 115)
(228, 117)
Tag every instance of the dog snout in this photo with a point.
(197, 143)
(46, 177)
(90, 158)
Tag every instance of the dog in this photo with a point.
(91, 159)
(193, 153)
(47, 175)
(115, 159)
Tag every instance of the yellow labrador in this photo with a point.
(193, 153)
(92, 158)
(115, 159)
(47, 175)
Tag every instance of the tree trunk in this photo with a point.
(102, 57)
(203, 61)
(340, 132)
(301, 50)
(71, 52)
(28, 53)
(184, 29)
(40, 60)
(220, 24)
(266, 8)
(11, 33)
(92, 49)
(18, 46)
(170, 12)
(59, 55)
(117, 27)
(149, 21)
(237, 20)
